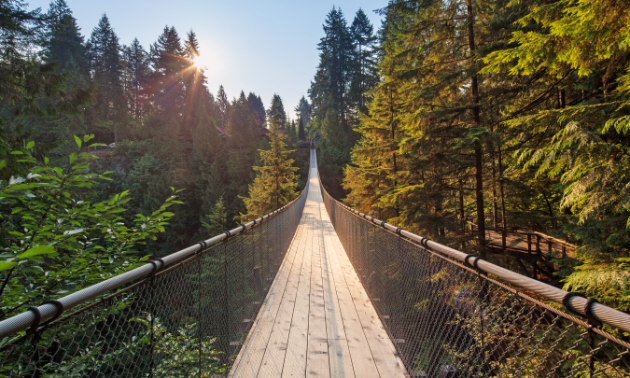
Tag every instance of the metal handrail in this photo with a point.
(603, 313)
(24, 320)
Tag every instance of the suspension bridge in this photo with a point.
(317, 289)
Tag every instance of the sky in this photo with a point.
(264, 47)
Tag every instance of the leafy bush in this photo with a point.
(55, 240)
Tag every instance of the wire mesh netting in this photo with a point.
(448, 320)
(188, 319)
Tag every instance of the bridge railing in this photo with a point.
(184, 315)
(454, 315)
(530, 241)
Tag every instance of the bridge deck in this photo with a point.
(317, 319)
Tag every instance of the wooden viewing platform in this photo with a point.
(317, 320)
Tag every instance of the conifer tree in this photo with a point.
(105, 66)
(224, 105)
(292, 135)
(275, 183)
(195, 114)
(63, 47)
(301, 132)
(167, 82)
(64, 43)
(257, 108)
(218, 218)
(364, 76)
(276, 115)
(137, 70)
(330, 88)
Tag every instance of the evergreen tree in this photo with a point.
(334, 73)
(301, 133)
(26, 75)
(224, 105)
(64, 48)
(303, 112)
(167, 82)
(276, 116)
(364, 76)
(105, 66)
(257, 108)
(195, 114)
(64, 43)
(138, 73)
(217, 219)
(275, 183)
(292, 134)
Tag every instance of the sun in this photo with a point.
(200, 63)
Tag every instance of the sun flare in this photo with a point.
(199, 62)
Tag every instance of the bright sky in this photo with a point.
(257, 46)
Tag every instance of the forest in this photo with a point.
(502, 115)
(451, 116)
(111, 154)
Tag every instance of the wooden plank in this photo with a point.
(273, 359)
(339, 359)
(362, 360)
(295, 360)
(317, 357)
(317, 319)
(385, 355)
(248, 360)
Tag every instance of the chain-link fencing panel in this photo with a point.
(187, 319)
(451, 320)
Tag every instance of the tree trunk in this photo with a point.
(553, 220)
(393, 142)
(481, 229)
(503, 215)
(462, 218)
(495, 211)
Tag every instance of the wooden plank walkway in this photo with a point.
(317, 320)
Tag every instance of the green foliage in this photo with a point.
(275, 182)
(340, 92)
(548, 127)
(609, 283)
(217, 219)
(56, 239)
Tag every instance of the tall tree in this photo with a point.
(303, 112)
(257, 108)
(276, 116)
(329, 90)
(138, 73)
(105, 66)
(301, 130)
(167, 83)
(224, 105)
(365, 75)
(64, 44)
(275, 182)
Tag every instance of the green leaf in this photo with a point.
(78, 141)
(30, 145)
(73, 232)
(5, 265)
(36, 251)
(73, 157)
(3, 164)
